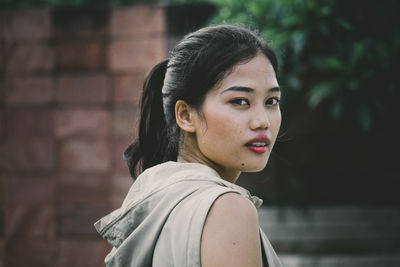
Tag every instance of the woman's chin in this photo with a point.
(253, 166)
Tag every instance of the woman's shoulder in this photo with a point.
(231, 229)
(234, 211)
(231, 204)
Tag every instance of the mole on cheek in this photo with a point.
(242, 164)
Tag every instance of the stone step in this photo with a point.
(340, 260)
(332, 229)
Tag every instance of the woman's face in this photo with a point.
(240, 118)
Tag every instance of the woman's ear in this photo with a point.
(184, 116)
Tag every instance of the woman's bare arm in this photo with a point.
(231, 234)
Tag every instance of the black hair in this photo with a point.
(195, 65)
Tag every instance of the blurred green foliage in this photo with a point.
(342, 56)
(339, 55)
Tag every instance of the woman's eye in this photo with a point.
(240, 102)
(273, 101)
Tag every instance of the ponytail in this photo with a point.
(151, 147)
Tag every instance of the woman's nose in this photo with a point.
(260, 120)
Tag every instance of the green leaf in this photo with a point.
(293, 82)
(298, 41)
(365, 117)
(359, 51)
(344, 24)
(329, 64)
(337, 108)
(320, 92)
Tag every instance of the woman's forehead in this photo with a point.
(257, 72)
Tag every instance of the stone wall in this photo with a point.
(70, 82)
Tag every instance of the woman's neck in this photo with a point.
(188, 153)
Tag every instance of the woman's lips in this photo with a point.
(259, 150)
(259, 144)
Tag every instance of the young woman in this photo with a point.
(208, 113)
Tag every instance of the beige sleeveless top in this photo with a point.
(161, 219)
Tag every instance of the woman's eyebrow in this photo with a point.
(239, 89)
(274, 89)
(249, 90)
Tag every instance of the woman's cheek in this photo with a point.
(277, 123)
(219, 129)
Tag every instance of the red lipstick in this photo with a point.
(259, 144)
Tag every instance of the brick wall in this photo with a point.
(70, 82)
